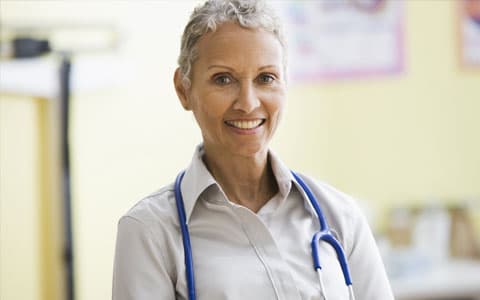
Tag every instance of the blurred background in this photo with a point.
(402, 136)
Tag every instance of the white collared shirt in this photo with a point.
(239, 254)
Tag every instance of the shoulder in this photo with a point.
(155, 211)
(331, 197)
(152, 223)
(147, 240)
(340, 209)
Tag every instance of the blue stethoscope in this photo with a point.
(323, 234)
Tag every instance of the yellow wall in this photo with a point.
(407, 138)
(401, 139)
(19, 194)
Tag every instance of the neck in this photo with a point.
(247, 181)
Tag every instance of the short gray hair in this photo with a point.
(206, 17)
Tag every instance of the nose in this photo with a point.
(247, 99)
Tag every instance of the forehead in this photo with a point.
(234, 45)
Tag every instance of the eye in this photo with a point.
(222, 79)
(266, 78)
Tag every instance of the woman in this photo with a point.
(250, 220)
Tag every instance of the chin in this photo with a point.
(252, 150)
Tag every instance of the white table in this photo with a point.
(452, 280)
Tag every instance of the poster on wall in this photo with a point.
(470, 33)
(336, 39)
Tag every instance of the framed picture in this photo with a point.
(343, 38)
(469, 25)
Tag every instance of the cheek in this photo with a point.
(276, 106)
(209, 110)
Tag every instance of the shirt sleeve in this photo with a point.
(140, 270)
(368, 273)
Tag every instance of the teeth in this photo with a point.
(244, 124)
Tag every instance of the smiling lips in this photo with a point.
(245, 124)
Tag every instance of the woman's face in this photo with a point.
(237, 91)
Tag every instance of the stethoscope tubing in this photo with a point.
(328, 238)
(324, 234)
(187, 247)
(313, 201)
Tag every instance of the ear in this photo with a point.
(180, 89)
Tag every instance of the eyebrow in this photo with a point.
(229, 68)
(267, 67)
(219, 66)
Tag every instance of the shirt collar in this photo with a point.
(282, 174)
(284, 180)
(197, 179)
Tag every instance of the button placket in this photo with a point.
(268, 252)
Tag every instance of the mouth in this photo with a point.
(245, 124)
